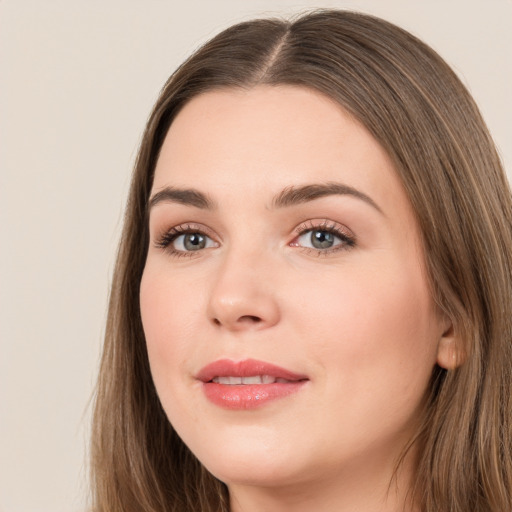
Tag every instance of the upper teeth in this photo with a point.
(254, 379)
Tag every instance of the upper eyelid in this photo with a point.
(324, 224)
(162, 239)
(188, 227)
(308, 225)
(319, 223)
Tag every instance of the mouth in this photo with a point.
(247, 384)
(246, 372)
(254, 379)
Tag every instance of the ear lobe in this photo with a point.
(449, 350)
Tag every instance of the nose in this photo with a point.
(243, 296)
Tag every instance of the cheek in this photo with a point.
(170, 311)
(376, 326)
(375, 342)
(167, 317)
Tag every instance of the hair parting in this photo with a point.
(422, 115)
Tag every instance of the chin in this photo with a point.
(235, 460)
(269, 473)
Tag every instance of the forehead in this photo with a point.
(268, 138)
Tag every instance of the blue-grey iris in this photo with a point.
(194, 241)
(322, 239)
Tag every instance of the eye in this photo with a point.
(184, 240)
(192, 242)
(319, 239)
(324, 237)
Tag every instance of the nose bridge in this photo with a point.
(242, 296)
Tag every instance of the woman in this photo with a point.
(311, 304)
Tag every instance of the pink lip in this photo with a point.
(247, 396)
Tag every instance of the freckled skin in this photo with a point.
(358, 320)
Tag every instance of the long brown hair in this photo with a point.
(416, 107)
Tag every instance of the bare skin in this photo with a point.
(328, 282)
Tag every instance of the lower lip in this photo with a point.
(248, 396)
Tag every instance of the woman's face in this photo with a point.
(290, 328)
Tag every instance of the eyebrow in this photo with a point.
(290, 196)
(187, 196)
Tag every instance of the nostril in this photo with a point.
(250, 319)
(245, 319)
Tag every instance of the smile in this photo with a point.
(255, 379)
(247, 384)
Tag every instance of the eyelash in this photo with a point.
(168, 237)
(348, 239)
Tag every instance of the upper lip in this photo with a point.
(245, 368)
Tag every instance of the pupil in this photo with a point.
(194, 241)
(322, 239)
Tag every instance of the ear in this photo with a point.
(450, 353)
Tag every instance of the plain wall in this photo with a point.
(78, 79)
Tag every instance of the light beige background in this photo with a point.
(78, 79)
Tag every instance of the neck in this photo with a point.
(367, 488)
